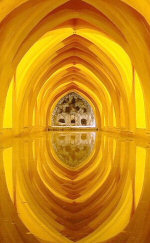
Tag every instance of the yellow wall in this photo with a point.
(97, 48)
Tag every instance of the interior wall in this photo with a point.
(73, 111)
(98, 47)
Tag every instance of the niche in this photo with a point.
(73, 110)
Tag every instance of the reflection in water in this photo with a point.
(43, 200)
(73, 148)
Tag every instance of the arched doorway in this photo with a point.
(72, 110)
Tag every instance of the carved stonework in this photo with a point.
(73, 110)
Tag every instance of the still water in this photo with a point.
(63, 187)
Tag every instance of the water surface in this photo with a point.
(74, 187)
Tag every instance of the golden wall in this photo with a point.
(98, 49)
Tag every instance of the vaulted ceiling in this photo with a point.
(97, 48)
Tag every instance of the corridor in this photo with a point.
(75, 121)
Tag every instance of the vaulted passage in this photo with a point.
(74, 121)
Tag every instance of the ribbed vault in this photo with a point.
(100, 50)
(80, 44)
